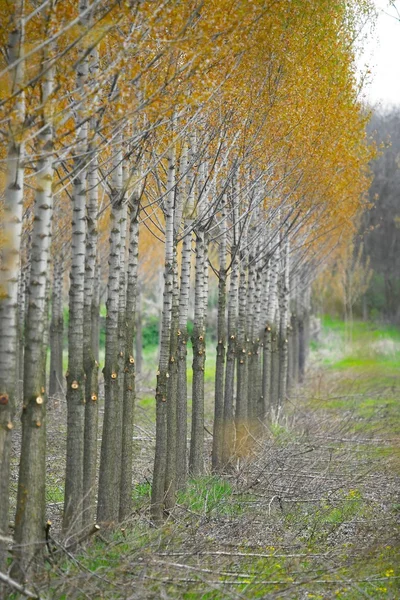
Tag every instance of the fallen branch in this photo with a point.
(18, 587)
(244, 554)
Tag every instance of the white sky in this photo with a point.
(382, 56)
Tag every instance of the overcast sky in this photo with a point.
(382, 55)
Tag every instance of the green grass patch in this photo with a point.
(54, 493)
(141, 494)
(210, 496)
(361, 329)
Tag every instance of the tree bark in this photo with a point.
(229, 419)
(73, 501)
(90, 364)
(250, 342)
(129, 398)
(110, 457)
(302, 349)
(171, 472)
(181, 443)
(265, 334)
(170, 468)
(255, 384)
(158, 487)
(12, 223)
(241, 414)
(56, 388)
(95, 311)
(269, 365)
(196, 458)
(284, 324)
(138, 330)
(274, 399)
(22, 297)
(31, 501)
(218, 430)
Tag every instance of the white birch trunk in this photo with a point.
(266, 343)
(73, 501)
(172, 404)
(218, 430)
(270, 376)
(22, 296)
(255, 385)
(56, 388)
(229, 394)
(241, 413)
(196, 457)
(110, 458)
(284, 322)
(186, 256)
(75, 374)
(125, 507)
(157, 492)
(90, 364)
(31, 501)
(12, 223)
(251, 307)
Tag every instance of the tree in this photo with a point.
(12, 223)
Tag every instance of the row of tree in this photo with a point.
(229, 131)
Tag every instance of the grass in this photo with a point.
(365, 378)
(206, 496)
(369, 346)
(210, 496)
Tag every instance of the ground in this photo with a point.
(313, 511)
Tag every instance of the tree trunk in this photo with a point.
(138, 331)
(274, 399)
(181, 444)
(110, 458)
(22, 296)
(229, 421)
(73, 501)
(56, 387)
(241, 414)
(218, 430)
(172, 404)
(196, 458)
(157, 492)
(95, 311)
(302, 349)
(294, 355)
(183, 336)
(90, 364)
(255, 384)
(170, 468)
(284, 325)
(250, 342)
(269, 367)
(31, 500)
(265, 333)
(12, 220)
(125, 507)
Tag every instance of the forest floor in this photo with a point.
(313, 511)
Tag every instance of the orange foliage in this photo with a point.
(274, 80)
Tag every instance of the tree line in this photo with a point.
(229, 131)
(380, 225)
